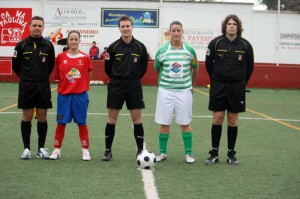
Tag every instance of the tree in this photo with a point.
(272, 4)
(287, 5)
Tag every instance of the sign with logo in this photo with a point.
(87, 34)
(198, 38)
(289, 41)
(14, 25)
(71, 16)
(142, 18)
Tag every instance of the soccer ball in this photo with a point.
(146, 160)
(97, 82)
(92, 82)
(101, 82)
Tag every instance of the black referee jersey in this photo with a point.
(229, 61)
(126, 61)
(33, 59)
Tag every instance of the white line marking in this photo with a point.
(149, 182)
(194, 116)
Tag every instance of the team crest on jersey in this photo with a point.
(176, 67)
(65, 61)
(15, 53)
(208, 52)
(80, 62)
(176, 70)
(72, 74)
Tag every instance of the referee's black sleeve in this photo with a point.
(144, 61)
(17, 59)
(108, 61)
(209, 59)
(249, 62)
(51, 59)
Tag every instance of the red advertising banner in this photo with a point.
(5, 67)
(14, 25)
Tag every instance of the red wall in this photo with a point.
(264, 75)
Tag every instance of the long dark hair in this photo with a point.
(237, 21)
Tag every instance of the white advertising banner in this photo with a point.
(88, 34)
(290, 41)
(198, 38)
(71, 16)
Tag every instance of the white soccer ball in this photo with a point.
(146, 160)
(97, 82)
(101, 82)
(92, 82)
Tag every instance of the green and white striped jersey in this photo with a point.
(174, 66)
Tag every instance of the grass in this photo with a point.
(267, 147)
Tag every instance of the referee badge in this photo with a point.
(107, 57)
(15, 54)
(240, 57)
(135, 60)
(207, 51)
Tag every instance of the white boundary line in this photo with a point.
(149, 182)
(194, 116)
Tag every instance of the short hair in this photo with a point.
(125, 18)
(74, 31)
(176, 23)
(237, 21)
(37, 18)
(94, 42)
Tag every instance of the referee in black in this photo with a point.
(229, 63)
(33, 62)
(125, 63)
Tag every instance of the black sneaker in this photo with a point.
(231, 159)
(107, 155)
(214, 157)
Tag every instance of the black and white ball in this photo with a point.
(101, 83)
(146, 160)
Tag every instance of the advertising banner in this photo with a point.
(14, 25)
(198, 38)
(71, 16)
(289, 41)
(88, 34)
(142, 18)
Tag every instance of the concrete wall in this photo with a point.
(277, 62)
(261, 28)
(264, 75)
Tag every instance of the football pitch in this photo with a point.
(267, 148)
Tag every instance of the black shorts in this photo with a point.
(227, 96)
(34, 94)
(120, 91)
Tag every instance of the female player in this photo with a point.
(73, 70)
(177, 66)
